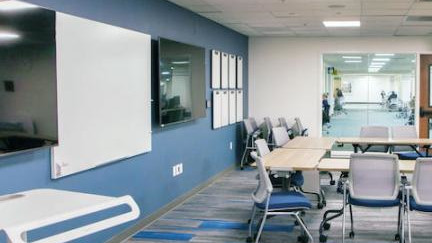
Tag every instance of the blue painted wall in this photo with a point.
(203, 151)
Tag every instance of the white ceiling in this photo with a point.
(303, 18)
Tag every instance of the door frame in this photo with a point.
(417, 82)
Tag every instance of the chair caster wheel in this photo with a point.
(397, 237)
(332, 183)
(351, 235)
(320, 205)
(326, 226)
(249, 240)
(303, 239)
(303, 213)
(248, 222)
(296, 223)
(323, 238)
(241, 168)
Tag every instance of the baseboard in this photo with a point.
(129, 232)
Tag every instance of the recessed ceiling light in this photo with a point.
(413, 60)
(8, 36)
(351, 57)
(336, 6)
(384, 54)
(341, 23)
(15, 5)
(381, 59)
(353, 61)
(378, 63)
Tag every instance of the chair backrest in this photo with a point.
(253, 123)
(248, 126)
(283, 123)
(265, 187)
(299, 124)
(422, 181)
(298, 128)
(280, 136)
(375, 132)
(403, 132)
(262, 147)
(268, 125)
(374, 176)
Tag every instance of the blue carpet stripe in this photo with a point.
(214, 224)
(163, 236)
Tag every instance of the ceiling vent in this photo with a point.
(424, 0)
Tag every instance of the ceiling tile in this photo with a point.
(414, 30)
(304, 17)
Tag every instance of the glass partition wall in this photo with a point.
(367, 89)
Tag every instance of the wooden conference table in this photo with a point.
(325, 143)
(357, 142)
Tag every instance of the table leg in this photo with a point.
(416, 150)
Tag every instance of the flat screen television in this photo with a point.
(181, 82)
(28, 85)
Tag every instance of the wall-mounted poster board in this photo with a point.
(232, 72)
(239, 108)
(224, 71)
(239, 72)
(232, 107)
(104, 111)
(216, 69)
(217, 107)
(225, 108)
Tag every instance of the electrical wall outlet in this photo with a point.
(231, 145)
(177, 169)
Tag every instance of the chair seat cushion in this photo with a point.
(415, 206)
(286, 201)
(374, 203)
(409, 155)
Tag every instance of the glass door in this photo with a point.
(367, 89)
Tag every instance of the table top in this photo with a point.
(39, 205)
(293, 159)
(299, 142)
(385, 141)
(331, 164)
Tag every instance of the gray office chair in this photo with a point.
(283, 123)
(405, 152)
(374, 132)
(280, 136)
(421, 190)
(272, 204)
(251, 135)
(298, 129)
(373, 181)
(254, 124)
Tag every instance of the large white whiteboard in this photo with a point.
(104, 109)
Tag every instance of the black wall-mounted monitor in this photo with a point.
(28, 84)
(181, 82)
